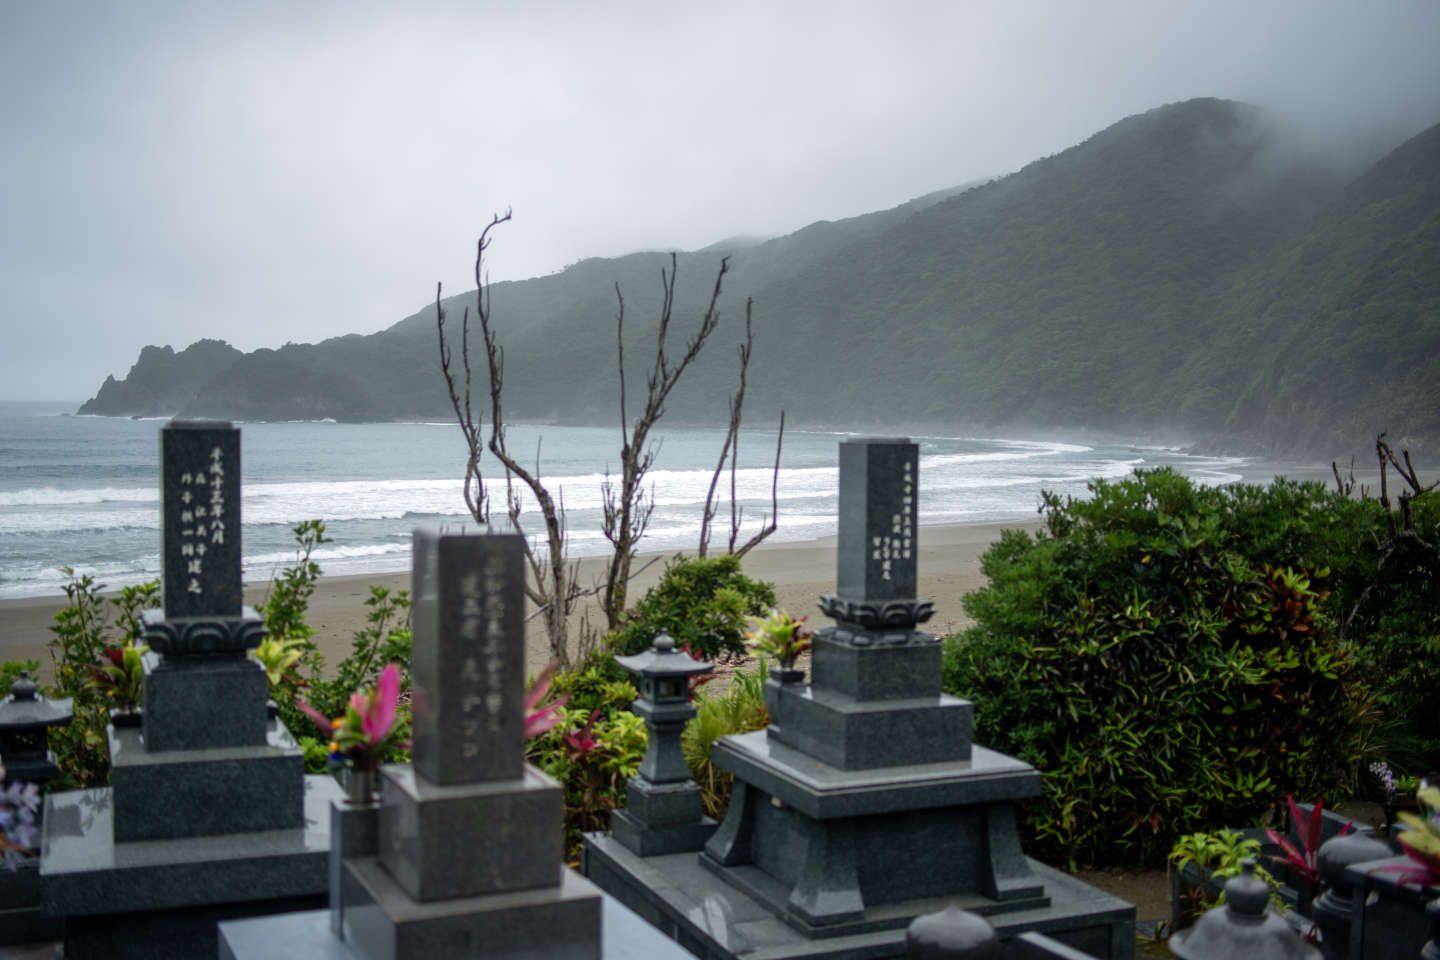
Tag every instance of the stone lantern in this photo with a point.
(663, 812)
(1244, 927)
(25, 718)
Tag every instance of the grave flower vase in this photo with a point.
(775, 682)
(126, 717)
(360, 784)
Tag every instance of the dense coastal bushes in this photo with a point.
(1175, 656)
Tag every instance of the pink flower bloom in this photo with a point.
(540, 719)
(322, 722)
(379, 715)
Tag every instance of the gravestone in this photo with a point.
(467, 857)
(866, 802)
(209, 814)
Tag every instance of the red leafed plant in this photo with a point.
(1308, 829)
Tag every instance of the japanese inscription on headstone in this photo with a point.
(878, 513)
(200, 504)
(469, 657)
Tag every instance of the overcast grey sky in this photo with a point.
(265, 172)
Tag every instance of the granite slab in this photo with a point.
(200, 793)
(430, 834)
(306, 936)
(718, 921)
(84, 871)
(823, 792)
(557, 922)
(866, 734)
(198, 703)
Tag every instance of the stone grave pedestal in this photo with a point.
(464, 857)
(865, 803)
(209, 814)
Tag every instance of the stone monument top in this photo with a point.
(875, 578)
(200, 504)
(468, 665)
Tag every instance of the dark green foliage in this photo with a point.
(283, 608)
(595, 748)
(10, 671)
(83, 630)
(740, 708)
(162, 381)
(385, 639)
(702, 603)
(1168, 655)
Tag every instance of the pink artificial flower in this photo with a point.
(378, 716)
(540, 719)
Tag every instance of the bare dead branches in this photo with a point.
(730, 451)
(1403, 552)
(627, 511)
(553, 581)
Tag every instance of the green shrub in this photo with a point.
(739, 709)
(700, 602)
(1166, 654)
(597, 745)
(83, 629)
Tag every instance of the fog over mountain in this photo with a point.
(1185, 270)
(266, 172)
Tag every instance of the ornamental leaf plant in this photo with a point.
(1304, 859)
(779, 636)
(540, 719)
(1422, 840)
(361, 736)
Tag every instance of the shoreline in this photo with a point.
(949, 567)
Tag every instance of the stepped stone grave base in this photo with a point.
(307, 936)
(717, 920)
(161, 899)
(21, 920)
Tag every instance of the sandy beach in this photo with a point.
(949, 568)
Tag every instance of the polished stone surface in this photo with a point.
(84, 871)
(855, 734)
(560, 921)
(461, 841)
(303, 936)
(199, 793)
(718, 921)
(822, 791)
(877, 670)
(200, 519)
(20, 917)
(878, 504)
(468, 665)
(1389, 921)
(354, 832)
(195, 703)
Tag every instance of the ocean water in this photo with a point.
(84, 491)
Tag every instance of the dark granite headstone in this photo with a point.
(200, 500)
(468, 673)
(876, 559)
(864, 803)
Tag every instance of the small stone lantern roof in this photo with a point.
(24, 707)
(24, 718)
(1244, 927)
(660, 667)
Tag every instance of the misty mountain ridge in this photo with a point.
(1187, 269)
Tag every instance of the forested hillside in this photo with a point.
(1185, 270)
